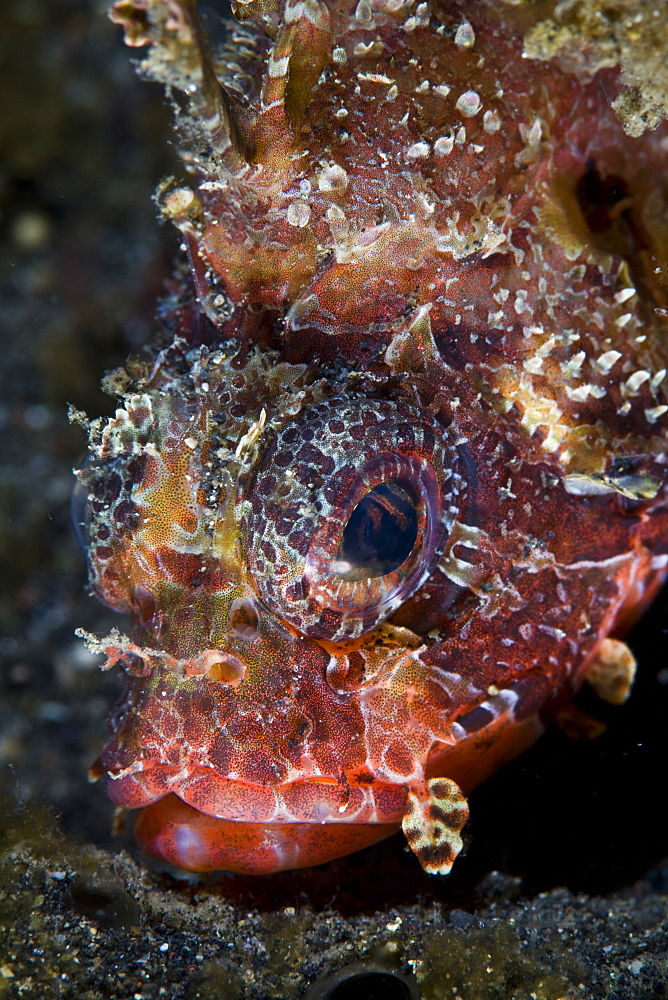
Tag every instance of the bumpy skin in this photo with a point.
(415, 258)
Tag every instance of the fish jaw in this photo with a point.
(336, 819)
(287, 795)
(174, 832)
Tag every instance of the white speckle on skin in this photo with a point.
(419, 20)
(442, 90)
(339, 55)
(469, 104)
(635, 381)
(429, 206)
(277, 68)
(654, 413)
(418, 151)
(298, 214)
(338, 223)
(605, 362)
(332, 177)
(363, 48)
(465, 36)
(572, 367)
(179, 200)
(532, 133)
(580, 394)
(363, 12)
(491, 121)
(444, 145)
(374, 78)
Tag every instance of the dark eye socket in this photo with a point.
(380, 534)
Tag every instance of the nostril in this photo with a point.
(222, 667)
(244, 620)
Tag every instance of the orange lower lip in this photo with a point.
(181, 835)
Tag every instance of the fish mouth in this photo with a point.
(360, 799)
(175, 833)
(203, 823)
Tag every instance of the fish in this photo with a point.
(390, 485)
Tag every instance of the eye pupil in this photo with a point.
(380, 534)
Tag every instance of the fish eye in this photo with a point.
(349, 511)
(380, 534)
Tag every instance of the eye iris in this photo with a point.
(379, 535)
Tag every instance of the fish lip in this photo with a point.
(301, 800)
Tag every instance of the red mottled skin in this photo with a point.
(394, 477)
